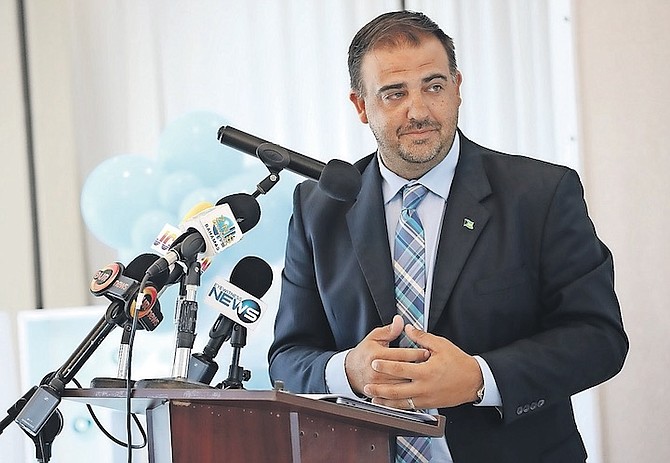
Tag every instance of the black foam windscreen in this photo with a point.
(245, 208)
(340, 180)
(137, 268)
(253, 275)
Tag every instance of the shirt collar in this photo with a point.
(434, 179)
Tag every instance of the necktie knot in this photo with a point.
(412, 195)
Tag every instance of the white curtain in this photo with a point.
(277, 69)
(519, 81)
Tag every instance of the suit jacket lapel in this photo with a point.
(464, 220)
(367, 225)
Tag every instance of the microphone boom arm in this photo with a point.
(44, 400)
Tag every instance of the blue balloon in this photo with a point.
(175, 187)
(190, 143)
(195, 198)
(241, 183)
(114, 195)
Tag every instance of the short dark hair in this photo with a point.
(394, 28)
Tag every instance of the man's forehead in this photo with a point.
(388, 60)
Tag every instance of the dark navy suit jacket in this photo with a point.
(521, 279)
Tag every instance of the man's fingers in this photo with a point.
(387, 333)
(403, 355)
(423, 339)
(392, 395)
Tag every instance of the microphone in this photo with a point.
(148, 317)
(251, 276)
(338, 179)
(119, 283)
(212, 230)
(167, 238)
(273, 156)
(232, 299)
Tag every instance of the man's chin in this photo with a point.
(419, 156)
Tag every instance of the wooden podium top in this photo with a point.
(149, 398)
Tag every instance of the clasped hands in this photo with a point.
(436, 374)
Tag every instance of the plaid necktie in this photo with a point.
(409, 265)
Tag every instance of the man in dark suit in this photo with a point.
(520, 309)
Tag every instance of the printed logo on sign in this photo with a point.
(101, 276)
(165, 238)
(249, 311)
(222, 231)
(235, 304)
(224, 228)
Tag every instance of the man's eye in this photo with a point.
(435, 88)
(394, 96)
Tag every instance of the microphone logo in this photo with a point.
(235, 304)
(249, 311)
(218, 226)
(149, 316)
(105, 277)
(121, 285)
(165, 239)
(221, 231)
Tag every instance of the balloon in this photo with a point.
(175, 187)
(115, 193)
(195, 197)
(190, 143)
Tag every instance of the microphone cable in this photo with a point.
(108, 434)
(129, 384)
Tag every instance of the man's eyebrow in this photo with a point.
(434, 77)
(386, 88)
(402, 85)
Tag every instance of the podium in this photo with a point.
(214, 426)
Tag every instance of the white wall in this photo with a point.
(624, 75)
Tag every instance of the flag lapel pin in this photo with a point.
(469, 224)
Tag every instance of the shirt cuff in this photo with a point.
(336, 376)
(491, 393)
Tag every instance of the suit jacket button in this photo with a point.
(540, 402)
(526, 408)
(533, 405)
(519, 410)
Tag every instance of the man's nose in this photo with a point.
(417, 108)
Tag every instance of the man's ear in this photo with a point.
(359, 103)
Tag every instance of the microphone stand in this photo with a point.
(46, 436)
(121, 375)
(36, 412)
(236, 373)
(267, 183)
(202, 366)
(186, 317)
